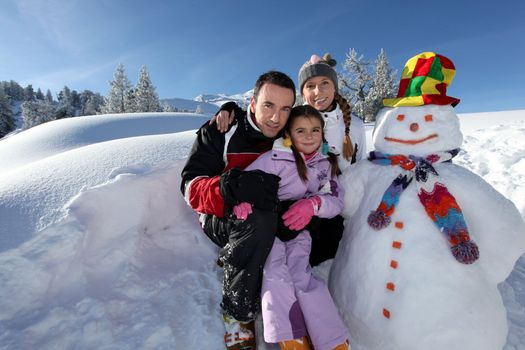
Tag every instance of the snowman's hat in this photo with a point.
(424, 81)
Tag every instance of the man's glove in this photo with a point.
(254, 186)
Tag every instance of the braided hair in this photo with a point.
(348, 146)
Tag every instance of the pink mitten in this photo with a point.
(300, 213)
(242, 210)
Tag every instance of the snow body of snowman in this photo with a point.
(403, 284)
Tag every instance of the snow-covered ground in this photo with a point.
(99, 251)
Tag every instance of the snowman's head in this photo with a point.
(418, 130)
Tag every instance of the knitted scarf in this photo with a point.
(439, 203)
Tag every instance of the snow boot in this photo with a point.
(239, 335)
(295, 344)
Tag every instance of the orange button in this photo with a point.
(386, 313)
(396, 244)
(393, 264)
(391, 286)
(399, 224)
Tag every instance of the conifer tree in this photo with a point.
(146, 98)
(7, 122)
(49, 96)
(29, 93)
(383, 85)
(354, 81)
(130, 101)
(37, 112)
(115, 100)
(39, 95)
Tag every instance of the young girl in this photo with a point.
(296, 307)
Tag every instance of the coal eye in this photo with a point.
(429, 118)
(400, 117)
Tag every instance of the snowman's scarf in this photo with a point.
(439, 203)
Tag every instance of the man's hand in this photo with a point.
(254, 186)
(223, 119)
(226, 115)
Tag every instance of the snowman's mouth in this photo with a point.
(411, 142)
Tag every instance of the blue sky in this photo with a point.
(211, 46)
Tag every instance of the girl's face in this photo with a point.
(319, 92)
(306, 134)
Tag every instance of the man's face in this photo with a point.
(272, 108)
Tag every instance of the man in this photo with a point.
(212, 184)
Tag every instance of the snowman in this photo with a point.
(426, 241)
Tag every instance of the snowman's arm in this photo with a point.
(353, 181)
(493, 221)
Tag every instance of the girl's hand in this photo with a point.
(242, 210)
(223, 120)
(301, 212)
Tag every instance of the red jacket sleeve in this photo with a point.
(203, 196)
(201, 174)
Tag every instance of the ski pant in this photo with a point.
(245, 245)
(294, 302)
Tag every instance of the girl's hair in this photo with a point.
(348, 146)
(307, 111)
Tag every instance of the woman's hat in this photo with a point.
(317, 66)
(424, 81)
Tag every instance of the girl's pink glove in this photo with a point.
(301, 212)
(242, 210)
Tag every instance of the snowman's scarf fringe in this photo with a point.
(439, 203)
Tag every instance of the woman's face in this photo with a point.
(306, 134)
(319, 92)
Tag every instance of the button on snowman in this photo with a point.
(426, 241)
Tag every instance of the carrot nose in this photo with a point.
(414, 127)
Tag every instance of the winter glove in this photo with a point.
(301, 212)
(284, 233)
(254, 186)
(242, 210)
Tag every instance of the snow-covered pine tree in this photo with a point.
(49, 96)
(7, 122)
(91, 103)
(37, 112)
(116, 95)
(29, 93)
(39, 95)
(199, 110)
(130, 101)
(146, 98)
(383, 85)
(354, 81)
(65, 108)
(166, 107)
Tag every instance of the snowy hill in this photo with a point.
(99, 251)
(43, 167)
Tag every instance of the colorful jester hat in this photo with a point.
(424, 81)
